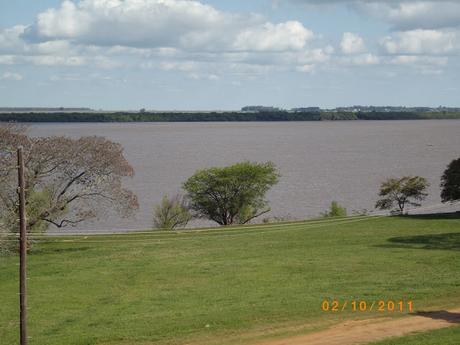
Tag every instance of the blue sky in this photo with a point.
(216, 54)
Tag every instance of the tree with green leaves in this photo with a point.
(450, 182)
(171, 213)
(335, 210)
(397, 193)
(231, 195)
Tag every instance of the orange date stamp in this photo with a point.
(381, 306)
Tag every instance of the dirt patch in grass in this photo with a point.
(365, 331)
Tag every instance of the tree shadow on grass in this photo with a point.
(433, 216)
(449, 241)
(440, 315)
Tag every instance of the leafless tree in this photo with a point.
(67, 180)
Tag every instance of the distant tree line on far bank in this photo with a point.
(227, 116)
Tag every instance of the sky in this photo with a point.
(223, 55)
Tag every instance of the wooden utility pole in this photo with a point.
(22, 249)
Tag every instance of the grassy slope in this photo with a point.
(170, 288)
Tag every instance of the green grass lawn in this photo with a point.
(213, 286)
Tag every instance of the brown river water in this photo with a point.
(319, 161)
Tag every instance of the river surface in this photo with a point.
(319, 161)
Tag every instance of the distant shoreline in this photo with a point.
(107, 117)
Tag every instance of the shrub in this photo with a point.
(171, 213)
(335, 210)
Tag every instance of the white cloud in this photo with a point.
(291, 35)
(131, 23)
(352, 43)
(419, 60)
(313, 56)
(426, 65)
(58, 60)
(419, 41)
(53, 60)
(362, 60)
(10, 40)
(204, 76)
(196, 39)
(7, 59)
(11, 76)
(51, 47)
(183, 36)
(186, 66)
(184, 24)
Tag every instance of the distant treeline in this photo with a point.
(219, 116)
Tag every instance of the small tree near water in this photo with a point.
(398, 193)
(171, 213)
(335, 210)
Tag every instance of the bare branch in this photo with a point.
(256, 215)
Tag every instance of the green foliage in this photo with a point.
(397, 193)
(232, 194)
(335, 210)
(37, 202)
(450, 182)
(171, 213)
